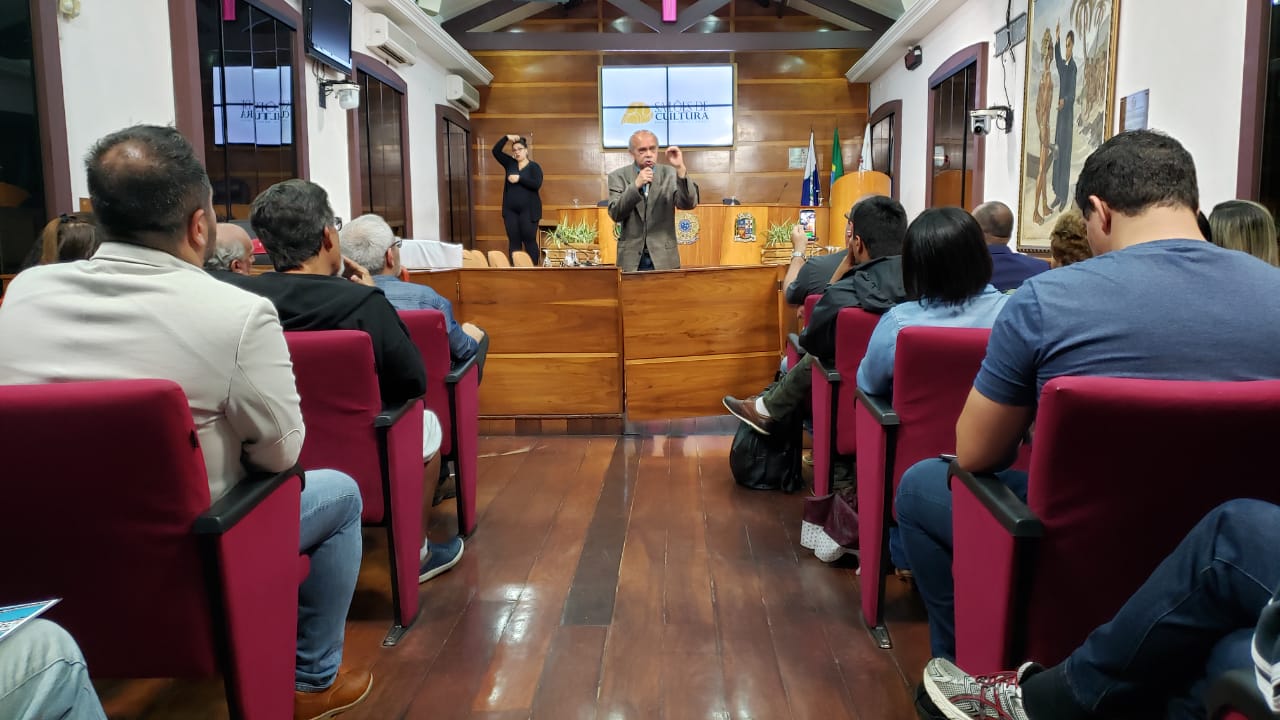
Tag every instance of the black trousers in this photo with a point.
(522, 232)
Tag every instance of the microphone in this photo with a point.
(645, 190)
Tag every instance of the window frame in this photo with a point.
(380, 71)
(891, 110)
(974, 55)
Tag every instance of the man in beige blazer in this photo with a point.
(142, 307)
(643, 198)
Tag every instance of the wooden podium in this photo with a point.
(733, 235)
(849, 189)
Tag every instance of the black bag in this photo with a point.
(765, 462)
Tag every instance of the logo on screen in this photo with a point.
(637, 113)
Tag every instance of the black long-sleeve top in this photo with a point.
(523, 194)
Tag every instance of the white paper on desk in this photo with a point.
(13, 617)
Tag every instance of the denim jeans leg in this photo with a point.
(331, 509)
(791, 394)
(1213, 585)
(43, 675)
(923, 506)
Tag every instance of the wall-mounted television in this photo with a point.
(327, 32)
(685, 105)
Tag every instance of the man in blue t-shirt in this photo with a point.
(1157, 301)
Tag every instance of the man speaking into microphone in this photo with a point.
(643, 198)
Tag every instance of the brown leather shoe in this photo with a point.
(347, 690)
(745, 410)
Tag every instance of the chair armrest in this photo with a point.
(475, 361)
(240, 500)
(1000, 501)
(832, 376)
(880, 408)
(387, 418)
(1237, 690)
(793, 339)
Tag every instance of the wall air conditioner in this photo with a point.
(388, 41)
(461, 93)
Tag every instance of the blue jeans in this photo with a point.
(646, 262)
(43, 675)
(924, 521)
(1194, 615)
(330, 532)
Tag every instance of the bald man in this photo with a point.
(233, 252)
(1009, 268)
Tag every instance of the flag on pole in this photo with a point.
(809, 195)
(837, 157)
(864, 160)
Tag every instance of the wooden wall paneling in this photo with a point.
(699, 312)
(549, 98)
(570, 66)
(787, 94)
(799, 64)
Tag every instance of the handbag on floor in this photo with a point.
(765, 462)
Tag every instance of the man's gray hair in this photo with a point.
(366, 240)
(225, 253)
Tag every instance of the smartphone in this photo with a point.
(808, 221)
(948, 457)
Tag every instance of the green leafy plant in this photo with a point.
(580, 233)
(778, 235)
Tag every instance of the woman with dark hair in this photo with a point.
(521, 204)
(1246, 226)
(64, 239)
(946, 269)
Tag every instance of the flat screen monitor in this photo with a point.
(685, 105)
(252, 106)
(328, 32)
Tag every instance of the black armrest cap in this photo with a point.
(1012, 513)
(242, 498)
(880, 408)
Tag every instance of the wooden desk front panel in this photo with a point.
(691, 336)
(554, 341)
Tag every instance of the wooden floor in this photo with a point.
(612, 578)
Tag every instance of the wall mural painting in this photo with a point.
(1068, 105)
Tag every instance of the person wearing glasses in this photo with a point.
(369, 241)
(316, 287)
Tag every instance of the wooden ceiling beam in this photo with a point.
(668, 42)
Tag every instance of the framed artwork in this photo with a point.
(1067, 106)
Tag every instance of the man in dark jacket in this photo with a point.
(1008, 268)
(315, 287)
(869, 277)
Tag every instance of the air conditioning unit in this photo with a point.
(388, 41)
(461, 93)
(430, 7)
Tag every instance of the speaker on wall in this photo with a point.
(913, 58)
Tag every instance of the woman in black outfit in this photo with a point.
(521, 205)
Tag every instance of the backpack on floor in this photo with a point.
(765, 462)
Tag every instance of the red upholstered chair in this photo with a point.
(454, 396)
(794, 351)
(1121, 470)
(106, 505)
(348, 430)
(1235, 696)
(933, 371)
(833, 395)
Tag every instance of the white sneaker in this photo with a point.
(961, 696)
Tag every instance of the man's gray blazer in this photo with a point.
(649, 220)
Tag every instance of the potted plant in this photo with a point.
(777, 244)
(580, 237)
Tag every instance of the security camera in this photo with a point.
(981, 121)
(348, 95)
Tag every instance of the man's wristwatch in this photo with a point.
(797, 254)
